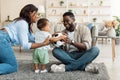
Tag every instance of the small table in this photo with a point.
(113, 44)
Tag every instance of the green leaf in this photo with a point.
(117, 18)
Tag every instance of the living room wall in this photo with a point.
(13, 7)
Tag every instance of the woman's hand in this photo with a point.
(47, 41)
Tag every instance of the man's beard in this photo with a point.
(71, 28)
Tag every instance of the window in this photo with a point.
(115, 8)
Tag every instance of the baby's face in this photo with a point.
(47, 27)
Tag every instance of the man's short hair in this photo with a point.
(69, 14)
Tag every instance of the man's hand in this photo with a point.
(63, 37)
(67, 40)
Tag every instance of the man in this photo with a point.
(78, 54)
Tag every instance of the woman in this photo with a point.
(19, 32)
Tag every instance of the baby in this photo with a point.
(40, 54)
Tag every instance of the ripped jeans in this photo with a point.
(8, 62)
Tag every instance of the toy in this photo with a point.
(58, 43)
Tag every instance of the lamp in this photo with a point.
(41, 11)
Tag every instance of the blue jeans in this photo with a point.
(75, 60)
(8, 63)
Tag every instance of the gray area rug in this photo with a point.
(26, 72)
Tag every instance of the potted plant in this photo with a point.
(94, 19)
(118, 28)
(70, 10)
(101, 2)
(117, 40)
(94, 29)
(61, 3)
(8, 19)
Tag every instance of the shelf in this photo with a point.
(78, 6)
(55, 15)
(83, 10)
(57, 7)
(82, 15)
(61, 15)
(100, 15)
(99, 6)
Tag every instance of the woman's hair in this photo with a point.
(42, 23)
(25, 13)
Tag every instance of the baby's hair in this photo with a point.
(42, 23)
